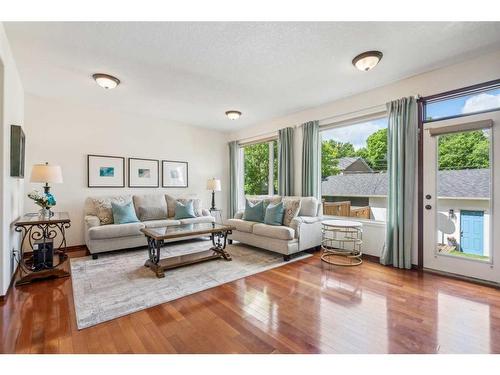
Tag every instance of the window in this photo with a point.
(353, 170)
(260, 168)
(462, 104)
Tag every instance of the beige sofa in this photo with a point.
(153, 210)
(303, 232)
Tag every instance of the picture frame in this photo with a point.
(104, 171)
(17, 151)
(175, 174)
(143, 173)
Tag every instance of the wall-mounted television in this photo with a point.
(17, 148)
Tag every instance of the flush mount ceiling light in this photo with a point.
(106, 81)
(367, 60)
(233, 115)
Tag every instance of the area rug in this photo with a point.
(118, 284)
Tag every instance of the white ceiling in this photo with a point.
(193, 72)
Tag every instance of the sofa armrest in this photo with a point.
(92, 221)
(239, 214)
(307, 231)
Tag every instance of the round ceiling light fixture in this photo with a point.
(367, 60)
(233, 115)
(105, 80)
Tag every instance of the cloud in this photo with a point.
(481, 102)
(354, 134)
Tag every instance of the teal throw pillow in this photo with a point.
(254, 212)
(184, 211)
(124, 213)
(274, 214)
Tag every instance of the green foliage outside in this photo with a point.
(257, 168)
(467, 150)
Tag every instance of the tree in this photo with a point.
(331, 151)
(256, 159)
(467, 150)
(375, 152)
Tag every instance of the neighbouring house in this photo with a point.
(357, 164)
(463, 204)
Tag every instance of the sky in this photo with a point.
(358, 133)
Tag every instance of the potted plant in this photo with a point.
(45, 201)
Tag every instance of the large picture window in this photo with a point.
(260, 168)
(354, 170)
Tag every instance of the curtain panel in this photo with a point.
(311, 150)
(402, 139)
(233, 178)
(285, 162)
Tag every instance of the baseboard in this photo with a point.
(472, 280)
(376, 259)
(13, 277)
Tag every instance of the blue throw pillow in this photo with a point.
(255, 212)
(123, 214)
(184, 211)
(274, 214)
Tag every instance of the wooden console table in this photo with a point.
(43, 246)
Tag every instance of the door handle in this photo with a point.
(428, 206)
(428, 196)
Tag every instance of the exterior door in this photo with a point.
(461, 186)
(472, 232)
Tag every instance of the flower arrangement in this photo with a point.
(45, 201)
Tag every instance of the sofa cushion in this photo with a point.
(115, 230)
(254, 212)
(274, 231)
(292, 209)
(171, 205)
(241, 225)
(308, 206)
(197, 220)
(103, 209)
(184, 210)
(274, 214)
(124, 213)
(150, 206)
(160, 223)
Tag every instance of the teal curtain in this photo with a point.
(285, 162)
(233, 178)
(311, 149)
(401, 170)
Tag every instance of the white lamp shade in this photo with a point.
(46, 173)
(213, 184)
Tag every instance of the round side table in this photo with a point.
(342, 238)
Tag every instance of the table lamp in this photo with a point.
(213, 184)
(46, 173)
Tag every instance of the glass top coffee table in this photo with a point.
(157, 236)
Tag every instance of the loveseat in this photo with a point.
(152, 210)
(301, 232)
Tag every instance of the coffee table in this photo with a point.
(157, 236)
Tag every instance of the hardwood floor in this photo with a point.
(303, 307)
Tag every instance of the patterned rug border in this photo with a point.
(296, 257)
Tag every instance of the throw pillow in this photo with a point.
(124, 213)
(274, 214)
(196, 204)
(184, 211)
(292, 208)
(254, 212)
(103, 207)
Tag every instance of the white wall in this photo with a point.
(481, 69)
(63, 134)
(11, 113)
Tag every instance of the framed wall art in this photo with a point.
(105, 171)
(143, 173)
(175, 174)
(17, 151)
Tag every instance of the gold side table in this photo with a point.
(341, 242)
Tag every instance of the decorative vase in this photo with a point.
(45, 212)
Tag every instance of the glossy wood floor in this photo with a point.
(302, 307)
